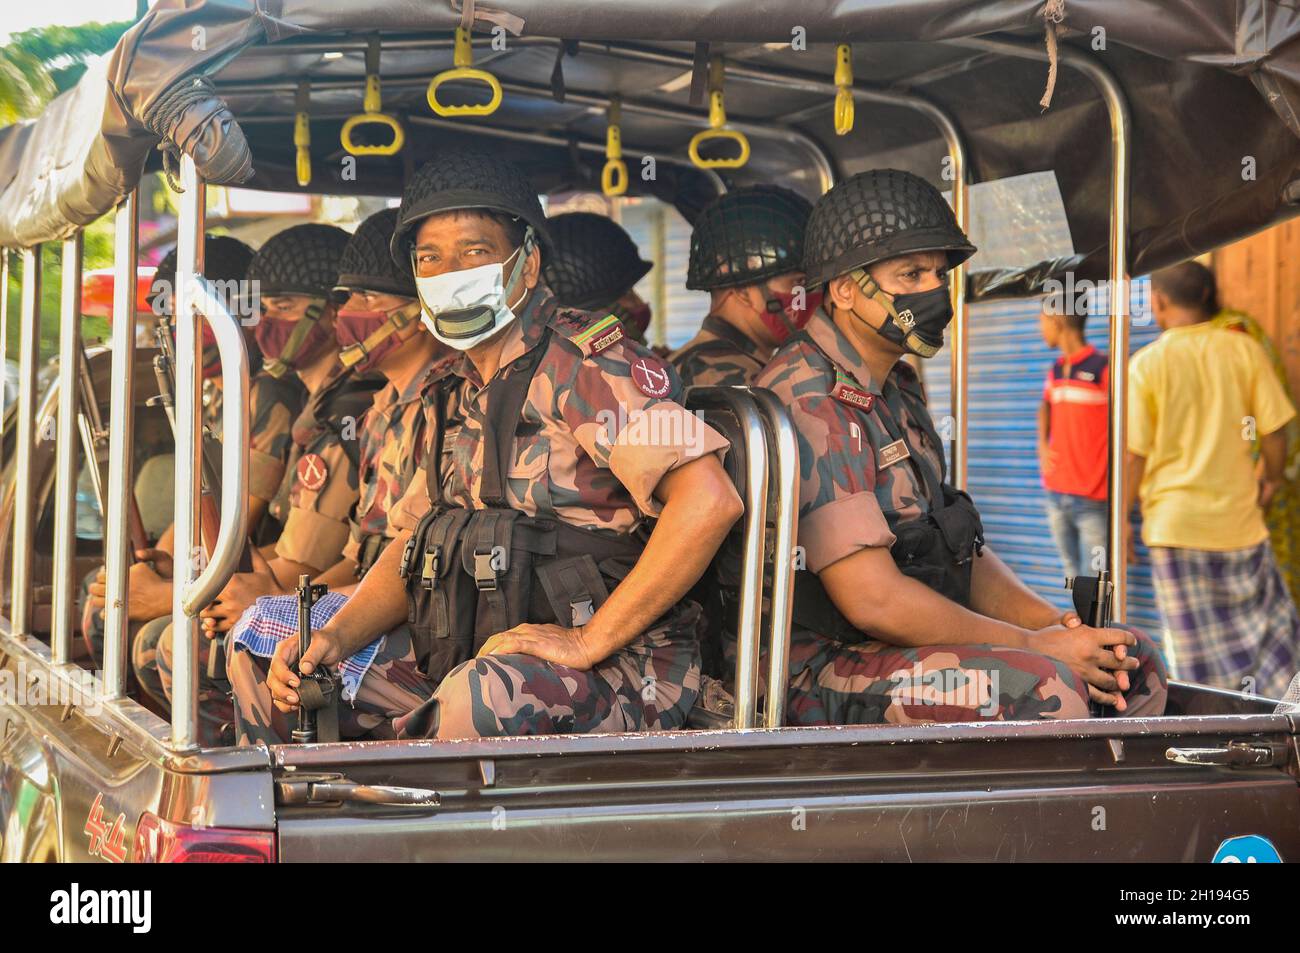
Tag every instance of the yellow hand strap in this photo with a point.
(463, 57)
(372, 113)
(717, 126)
(844, 89)
(613, 177)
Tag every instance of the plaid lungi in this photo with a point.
(272, 619)
(1230, 618)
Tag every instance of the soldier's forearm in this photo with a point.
(998, 593)
(700, 506)
(342, 573)
(377, 605)
(877, 599)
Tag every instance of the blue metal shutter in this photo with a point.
(1008, 365)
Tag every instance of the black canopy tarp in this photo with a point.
(1213, 88)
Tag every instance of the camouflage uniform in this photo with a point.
(315, 501)
(587, 460)
(720, 355)
(274, 404)
(850, 498)
(394, 438)
(393, 442)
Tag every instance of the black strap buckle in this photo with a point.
(408, 556)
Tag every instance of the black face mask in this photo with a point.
(915, 322)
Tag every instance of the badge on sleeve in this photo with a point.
(312, 472)
(651, 377)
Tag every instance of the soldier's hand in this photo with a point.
(241, 592)
(162, 561)
(1099, 657)
(97, 591)
(282, 680)
(554, 643)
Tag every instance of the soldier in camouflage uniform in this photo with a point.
(378, 324)
(903, 613)
(747, 252)
(274, 405)
(293, 276)
(594, 268)
(578, 454)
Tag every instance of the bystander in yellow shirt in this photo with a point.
(1198, 397)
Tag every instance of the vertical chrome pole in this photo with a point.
(24, 543)
(1120, 134)
(188, 559)
(960, 339)
(65, 582)
(1117, 551)
(121, 440)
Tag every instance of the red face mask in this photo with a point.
(637, 320)
(782, 318)
(353, 327)
(273, 334)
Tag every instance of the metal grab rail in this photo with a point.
(232, 531)
(192, 588)
(121, 440)
(1120, 134)
(784, 455)
(738, 402)
(64, 579)
(24, 541)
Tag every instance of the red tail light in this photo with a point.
(165, 842)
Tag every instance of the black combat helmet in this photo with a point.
(595, 261)
(224, 259)
(747, 236)
(302, 260)
(466, 180)
(877, 215)
(367, 262)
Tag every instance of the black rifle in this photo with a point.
(1092, 600)
(318, 714)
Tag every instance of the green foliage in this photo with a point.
(36, 65)
(97, 252)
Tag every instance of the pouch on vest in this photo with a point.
(936, 550)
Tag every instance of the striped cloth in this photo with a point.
(272, 619)
(1230, 618)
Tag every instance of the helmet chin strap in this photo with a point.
(398, 319)
(282, 364)
(903, 322)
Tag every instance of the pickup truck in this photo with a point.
(84, 778)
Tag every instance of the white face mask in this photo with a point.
(465, 308)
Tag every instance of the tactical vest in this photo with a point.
(472, 573)
(937, 549)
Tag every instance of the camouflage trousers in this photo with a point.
(872, 682)
(650, 684)
(151, 657)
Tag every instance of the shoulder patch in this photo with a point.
(312, 471)
(590, 333)
(651, 377)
